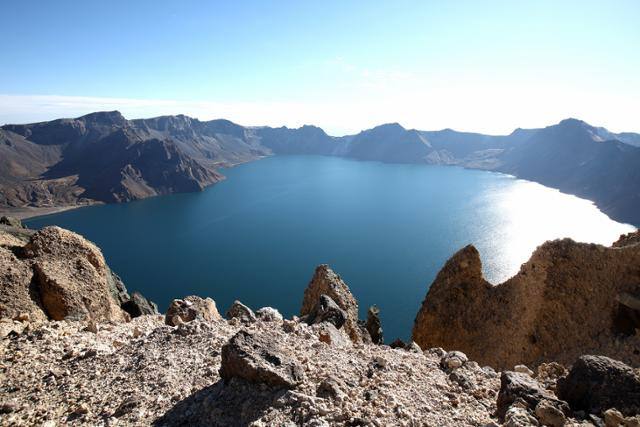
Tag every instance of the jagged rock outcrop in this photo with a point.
(628, 239)
(564, 302)
(60, 275)
(374, 326)
(326, 282)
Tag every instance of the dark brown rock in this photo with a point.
(521, 388)
(257, 359)
(374, 326)
(326, 310)
(598, 383)
(138, 305)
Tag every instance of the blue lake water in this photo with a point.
(385, 228)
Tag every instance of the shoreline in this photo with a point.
(29, 212)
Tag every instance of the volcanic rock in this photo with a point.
(326, 282)
(564, 302)
(241, 312)
(326, 310)
(269, 314)
(598, 383)
(191, 308)
(374, 326)
(138, 305)
(521, 388)
(258, 359)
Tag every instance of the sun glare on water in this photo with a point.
(525, 215)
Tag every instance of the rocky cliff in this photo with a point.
(70, 354)
(567, 300)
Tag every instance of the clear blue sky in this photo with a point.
(472, 65)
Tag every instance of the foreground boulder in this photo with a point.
(326, 282)
(191, 308)
(70, 277)
(567, 300)
(257, 359)
(60, 275)
(597, 383)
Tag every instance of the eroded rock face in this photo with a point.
(598, 383)
(326, 282)
(19, 294)
(191, 308)
(74, 290)
(258, 359)
(563, 303)
(58, 275)
(68, 278)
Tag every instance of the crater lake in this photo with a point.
(387, 229)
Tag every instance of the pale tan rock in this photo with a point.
(549, 414)
(17, 295)
(59, 275)
(562, 304)
(523, 370)
(75, 289)
(191, 308)
(613, 418)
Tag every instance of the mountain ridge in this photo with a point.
(102, 157)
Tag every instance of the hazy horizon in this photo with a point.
(487, 67)
(307, 124)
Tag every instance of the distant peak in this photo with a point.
(573, 122)
(391, 125)
(104, 117)
(388, 127)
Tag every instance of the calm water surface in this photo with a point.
(385, 228)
